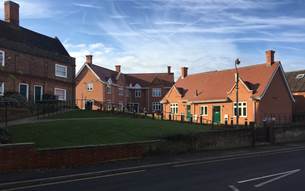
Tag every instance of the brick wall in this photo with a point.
(34, 70)
(25, 156)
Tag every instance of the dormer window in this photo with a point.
(108, 89)
(2, 58)
(300, 76)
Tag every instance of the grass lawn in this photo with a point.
(77, 130)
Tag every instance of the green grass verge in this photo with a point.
(106, 130)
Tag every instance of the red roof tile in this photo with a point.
(216, 85)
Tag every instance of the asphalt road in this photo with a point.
(267, 170)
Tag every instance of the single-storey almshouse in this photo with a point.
(263, 95)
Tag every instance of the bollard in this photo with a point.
(182, 118)
(169, 117)
(200, 120)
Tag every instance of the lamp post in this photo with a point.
(237, 62)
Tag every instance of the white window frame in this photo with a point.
(27, 89)
(108, 87)
(156, 92)
(241, 106)
(89, 87)
(3, 58)
(60, 89)
(138, 93)
(204, 110)
(121, 91)
(174, 108)
(66, 71)
(156, 106)
(2, 88)
(40, 91)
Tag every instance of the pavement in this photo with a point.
(269, 168)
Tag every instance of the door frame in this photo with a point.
(27, 89)
(41, 91)
(213, 114)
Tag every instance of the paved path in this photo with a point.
(264, 170)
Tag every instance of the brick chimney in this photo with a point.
(183, 72)
(89, 59)
(169, 69)
(118, 68)
(11, 12)
(270, 57)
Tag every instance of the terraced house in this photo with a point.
(263, 95)
(100, 88)
(32, 64)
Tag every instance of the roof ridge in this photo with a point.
(225, 70)
(149, 73)
(104, 68)
(23, 28)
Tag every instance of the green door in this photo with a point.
(188, 112)
(216, 114)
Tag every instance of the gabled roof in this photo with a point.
(296, 84)
(216, 85)
(31, 39)
(142, 79)
(104, 74)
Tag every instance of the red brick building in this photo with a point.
(33, 64)
(211, 96)
(296, 81)
(98, 87)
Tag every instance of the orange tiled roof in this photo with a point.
(216, 85)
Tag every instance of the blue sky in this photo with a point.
(148, 35)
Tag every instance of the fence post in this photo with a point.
(252, 126)
(271, 134)
(6, 117)
(182, 118)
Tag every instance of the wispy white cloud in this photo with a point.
(201, 34)
(35, 9)
(86, 5)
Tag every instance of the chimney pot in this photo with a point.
(184, 72)
(89, 59)
(118, 68)
(11, 12)
(270, 57)
(169, 69)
